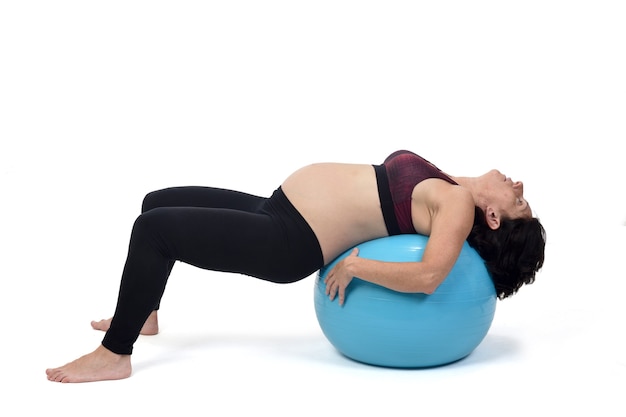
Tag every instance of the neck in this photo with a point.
(473, 186)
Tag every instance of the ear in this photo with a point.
(493, 218)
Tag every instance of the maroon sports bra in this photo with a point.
(403, 171)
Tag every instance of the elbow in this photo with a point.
(430, 289)
(431, 284)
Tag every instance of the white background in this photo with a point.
(102, 102)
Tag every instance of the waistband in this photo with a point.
(305, 252)
(386, 201)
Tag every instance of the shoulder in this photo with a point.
(439, 193)
(454, 212)
(439, 205)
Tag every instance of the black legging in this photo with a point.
(214, 229)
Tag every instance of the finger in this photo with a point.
(330, 275)
(328, 278)
(329, 283)
(342, 296)
(330, 292)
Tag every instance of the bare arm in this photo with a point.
(451, 212)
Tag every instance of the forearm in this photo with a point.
(410, 277)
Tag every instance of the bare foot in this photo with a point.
(150, 327)
(99, 365)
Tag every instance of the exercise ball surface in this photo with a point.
(382, 327)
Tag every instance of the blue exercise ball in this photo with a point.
(382, 327)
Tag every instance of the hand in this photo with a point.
(340, 277)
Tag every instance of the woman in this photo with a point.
(318, 212)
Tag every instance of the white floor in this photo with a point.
(101, 103)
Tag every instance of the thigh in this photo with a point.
(213, 238)
(207, 197)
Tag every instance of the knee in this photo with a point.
(152, 218)
(150, 228)
(148, 222)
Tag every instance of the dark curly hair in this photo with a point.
(513, 253)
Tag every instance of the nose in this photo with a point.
(518, 185)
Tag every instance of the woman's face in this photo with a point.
(506, 196)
